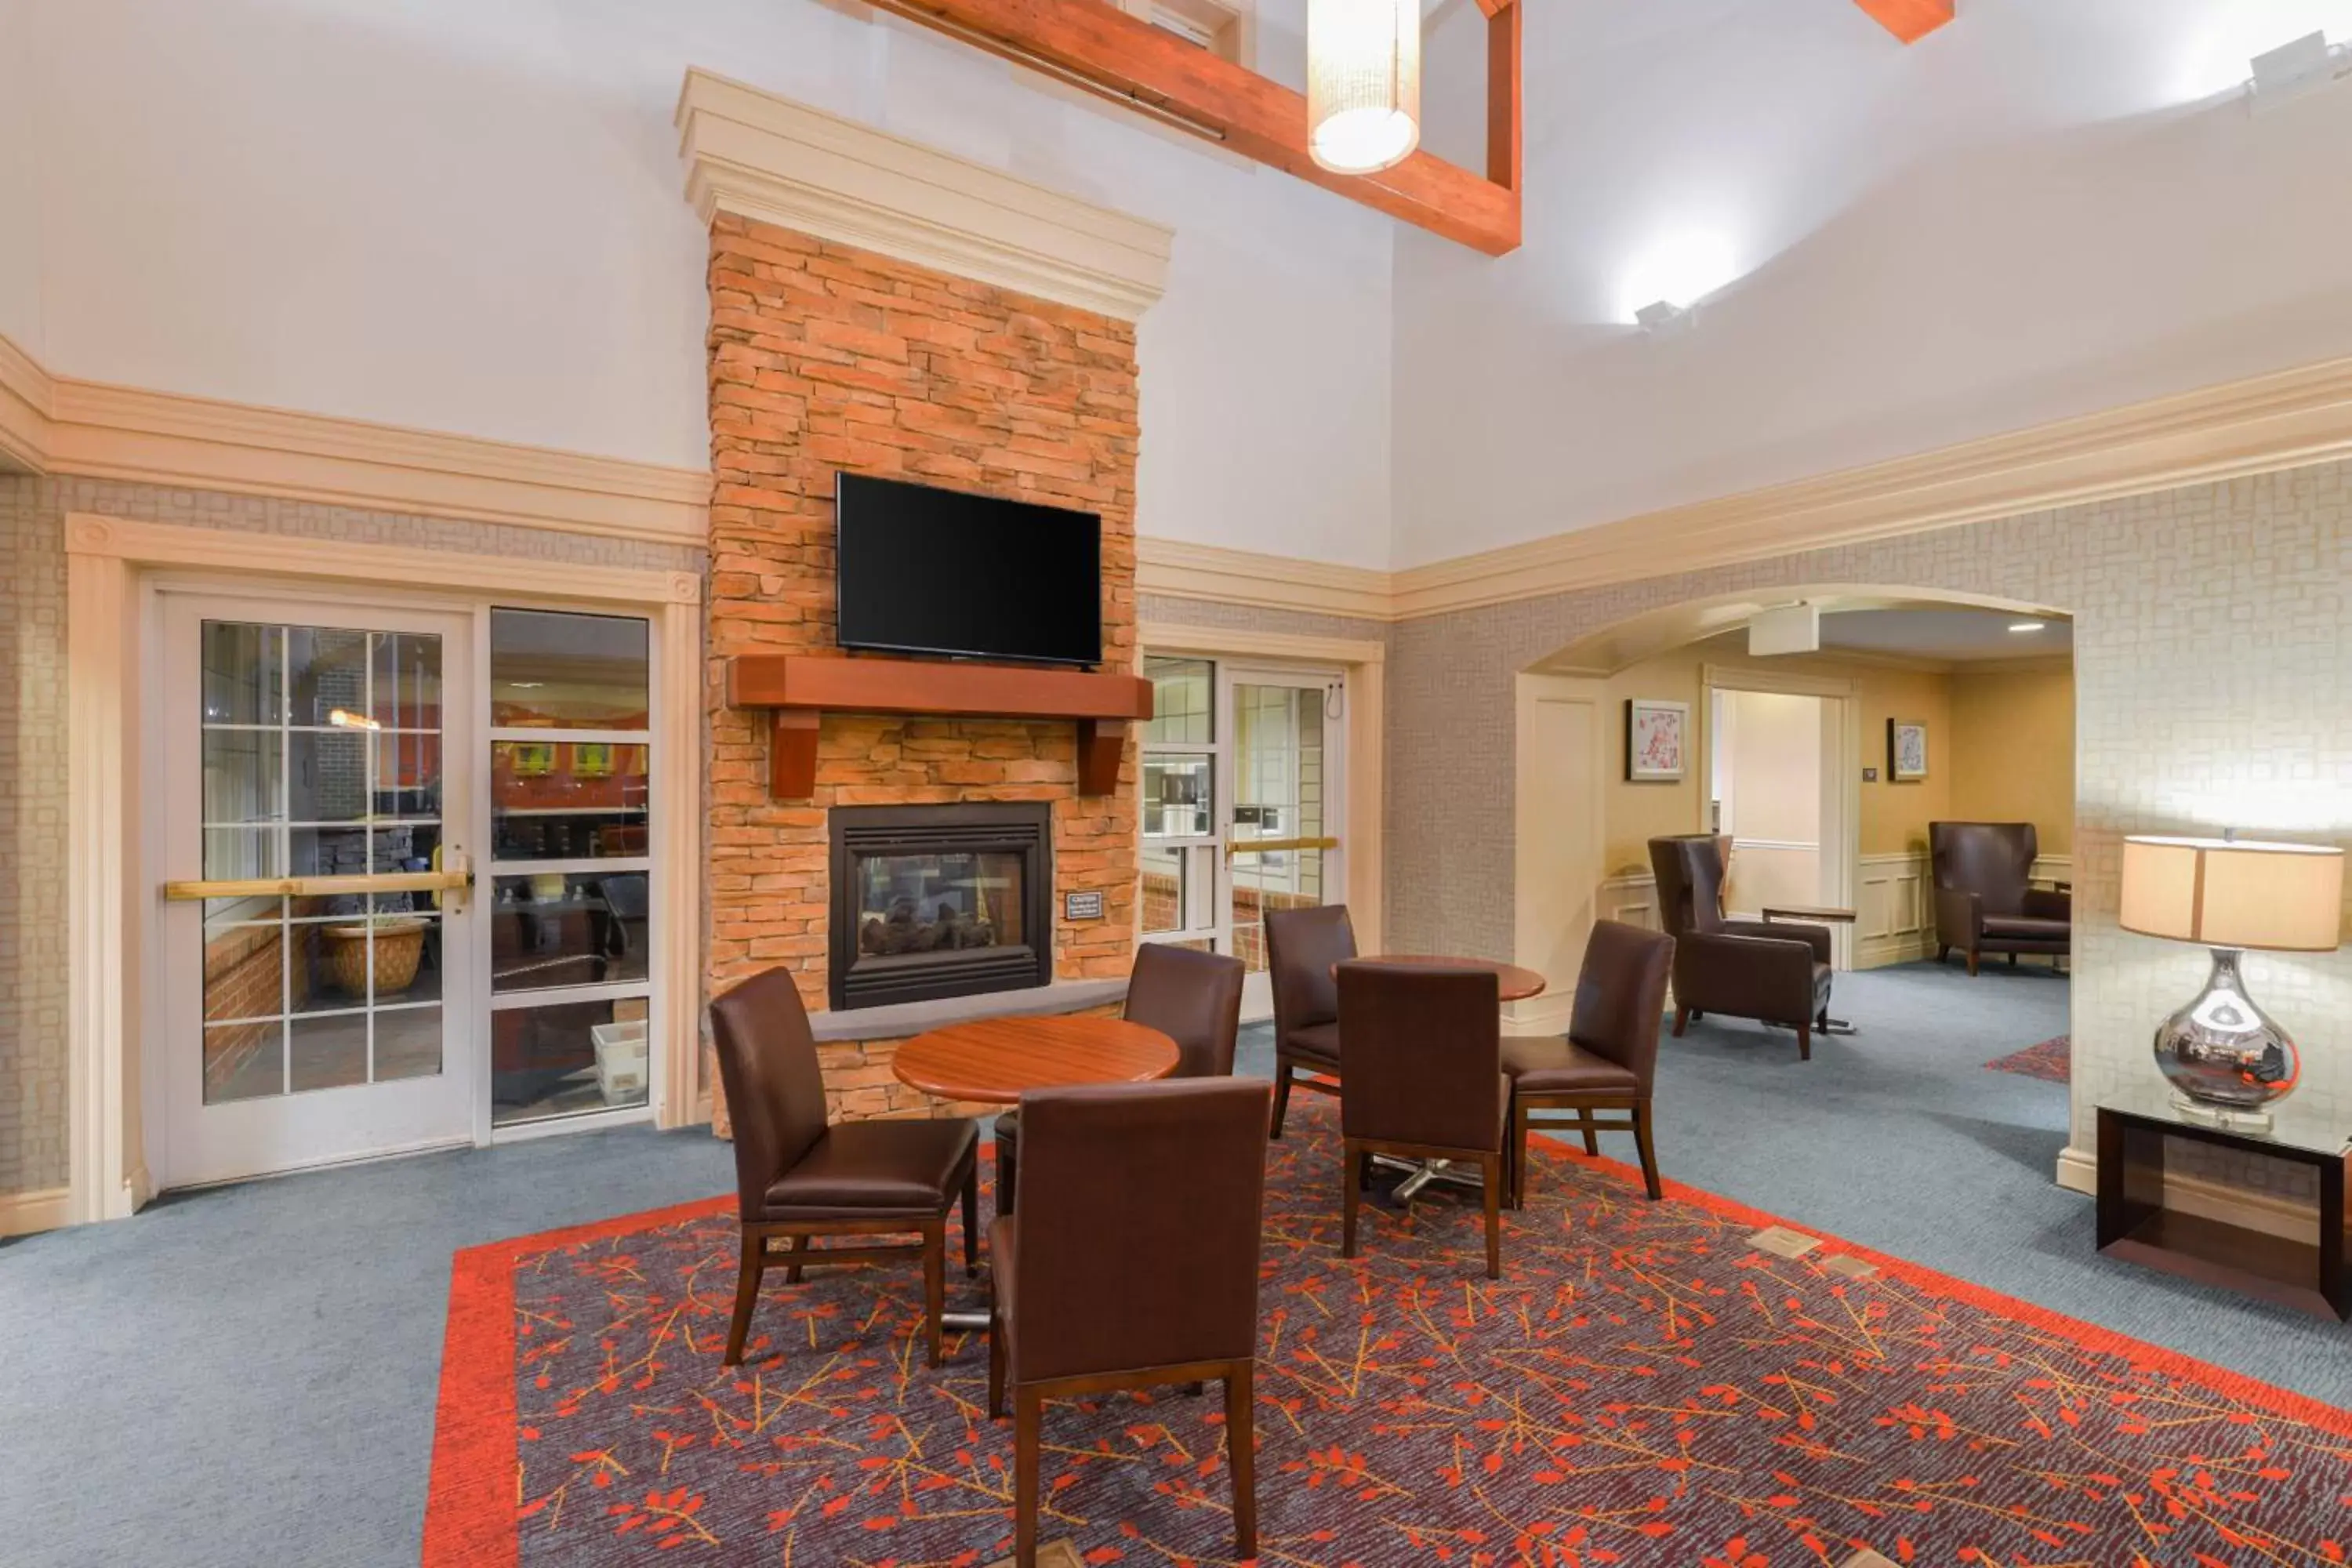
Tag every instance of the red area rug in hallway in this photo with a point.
(2052, 1060)
(1643, 1387)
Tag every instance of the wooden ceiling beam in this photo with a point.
(1494, 8)
(1909, 20)
(1093, 45)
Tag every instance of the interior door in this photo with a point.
(318, 965)
(1559, 825)
(1281, 807)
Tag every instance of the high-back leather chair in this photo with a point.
(1112, 1276)
(797, 1178)
(1778, 974)
(1424, 1078)
(1985, 897)
(1301, 946)
(1193, 998)
(1609, 1060)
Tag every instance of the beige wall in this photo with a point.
(2012, 750)
(2185, 723)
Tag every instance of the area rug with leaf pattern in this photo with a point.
(2052, 1060)
(1649, 1383)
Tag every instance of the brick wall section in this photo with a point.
(825, 358)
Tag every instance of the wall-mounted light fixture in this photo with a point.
(2296, 69)
(1661, 286)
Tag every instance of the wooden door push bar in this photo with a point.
(799, 690)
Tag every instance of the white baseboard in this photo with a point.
(1880, 954)
(22, 1213)
(2078, 1171)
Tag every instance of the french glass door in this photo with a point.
(318, 961)
(1242, 802)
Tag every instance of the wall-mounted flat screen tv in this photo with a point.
(922, 570)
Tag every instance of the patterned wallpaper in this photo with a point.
(33, 741)
(2213, 665)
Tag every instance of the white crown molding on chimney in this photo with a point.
(759, 156)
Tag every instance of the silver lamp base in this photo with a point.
(2226, 1060)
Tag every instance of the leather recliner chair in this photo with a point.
(1743, 969)
(1985, 899)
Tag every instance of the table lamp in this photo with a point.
(2224, 1055)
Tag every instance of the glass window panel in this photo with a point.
(327, 775)
(327, 673)
(407, 685)
(1163, 887)
(407, 775)
(244, 972)
(327, 1053)
(404, 846)
(242, 783)
(242, 668)
(1178, 795)
(1270, 881)
(559, 671)
(553, 801)
(384, 958)
(242, 852)
(1183, 693)
(550, 1060)
(587, 928)
(243, 1061)
(328, 852)
(408, 1043)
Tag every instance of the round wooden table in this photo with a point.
(992, 1060)
(1516, 984)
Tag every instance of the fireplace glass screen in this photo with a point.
(938, 903)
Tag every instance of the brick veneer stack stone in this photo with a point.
(825, 358)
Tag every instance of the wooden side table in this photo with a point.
(1814, 915)
(2134, 1224)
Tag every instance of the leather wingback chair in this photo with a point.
(1609, 1060)
(1778, 974)
(1985, 899)
(797, 1178)
(1193, 998)
(1113, 1276)
(1424, 1080)
(1301, 946)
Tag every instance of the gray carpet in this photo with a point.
(247, 1375)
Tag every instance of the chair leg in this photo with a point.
(1682, 1021)
(1972, 964)
(1281, 1097)
(972, 1220)
(995, 1367)
(747, 1294)
(1520, 1154)
(1649, 1149)
(2013, 961)
(794, 1245)
(1943, 952)
(935, 1285)
(1491, 1168)
(1804, 1042)
(1026, 1412)
(1591, 1135)
(1348, 1200)
(1008, 1175)
(1241, 1448)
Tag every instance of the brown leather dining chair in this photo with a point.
(1424, 1080)
(1985, 897)
(797, 1178)
(1193, 998)
(1113, 1276)
(1301, 946)
(1609, 1060)
(1775, 972)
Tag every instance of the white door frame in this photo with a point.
(113, 895)
(1841, 837)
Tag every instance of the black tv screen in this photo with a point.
(921, 570)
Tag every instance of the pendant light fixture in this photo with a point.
(1364, 83)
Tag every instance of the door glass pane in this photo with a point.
(1278, 795)
(565, 1059)
(557, 671)
(243, 1061)
(407, 681)
(408, 1043)
(1178, 794)
(1181, 696)
(1163, 887)
(557, 801)
(407, 775)
(243, 673)
(327, 674)
(242, 776)
(329, 1052)
(587, 928)
(326, 775)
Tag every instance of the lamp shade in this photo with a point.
(1364, 83)
(2223, 892)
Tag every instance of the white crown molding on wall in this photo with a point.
(54, 424)
(756, 155)
(1182, 571)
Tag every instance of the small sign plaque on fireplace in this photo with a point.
(1082, 906)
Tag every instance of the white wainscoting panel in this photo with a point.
(1630, 900)
(1894, 909)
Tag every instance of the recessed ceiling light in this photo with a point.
(2027, 626)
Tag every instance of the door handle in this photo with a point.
(452, 880)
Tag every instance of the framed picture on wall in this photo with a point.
(1657, 741)
(1906, 751)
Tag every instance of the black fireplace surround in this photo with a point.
(939, 901)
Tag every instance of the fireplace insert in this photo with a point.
(939, 901)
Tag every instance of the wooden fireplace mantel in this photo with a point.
(799, 690)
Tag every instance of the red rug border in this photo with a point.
(470, 1508)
